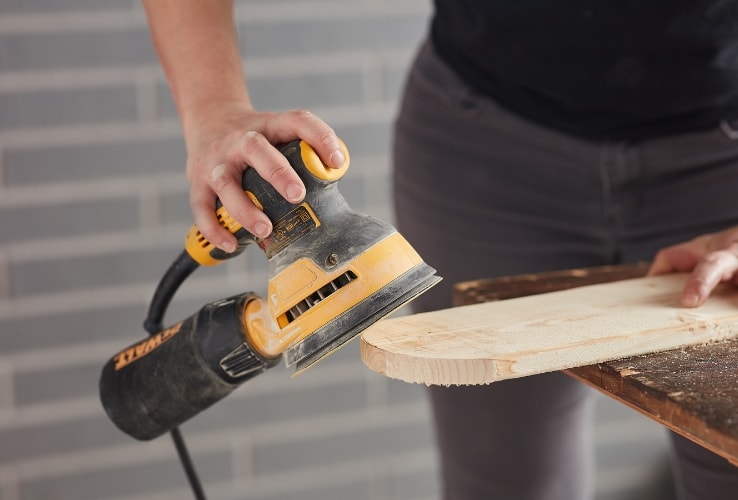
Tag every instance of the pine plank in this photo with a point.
(484, 343)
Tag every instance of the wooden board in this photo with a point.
(483, 343)
(691, 390)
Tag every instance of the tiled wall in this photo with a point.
(93, 206)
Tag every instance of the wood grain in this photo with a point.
(484, 343)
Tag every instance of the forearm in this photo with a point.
(198, 49)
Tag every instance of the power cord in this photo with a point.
(178, 272)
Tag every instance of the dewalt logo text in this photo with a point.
(128, 356)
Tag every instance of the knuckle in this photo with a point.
(207, 226)
(660, 255)
(279, 172)
(328, 138)
(209, 232)
(700, 280)
(246, 215)
(301, 114)
(254, 143)
(241, 214)
(221, 183)
(718, 257)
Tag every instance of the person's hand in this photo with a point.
(711, 258)
(224, 135)
(221, 145)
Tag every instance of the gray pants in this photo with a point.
(481, 192)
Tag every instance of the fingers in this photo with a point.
(225, 183)
(272, 166)
(202, 205)
(216, 168)
(678, 258)
(308, 127)
(711, 259)
(714, 268)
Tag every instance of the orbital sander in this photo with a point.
(333, 272)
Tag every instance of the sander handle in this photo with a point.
(309, 167)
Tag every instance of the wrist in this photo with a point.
(199, 117)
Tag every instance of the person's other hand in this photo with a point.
(711, 258)
(222, 144)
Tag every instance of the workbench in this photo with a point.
(691, 390)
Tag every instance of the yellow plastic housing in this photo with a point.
(271, 333)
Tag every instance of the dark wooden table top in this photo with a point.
(692, 390)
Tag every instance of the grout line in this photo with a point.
(288, 65)
(53, 193)
(70, 22)
(89, 406)
(4, 275)
(62, 79)
(7, 388)
(168, 128)
(9, 486)
(146, 99)
(89, 134)
(104, 458)
(82, 21)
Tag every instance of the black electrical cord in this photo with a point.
(178, 272)
(187, 464)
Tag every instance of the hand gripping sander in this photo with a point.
(333, 272)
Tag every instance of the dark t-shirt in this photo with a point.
(616, 70)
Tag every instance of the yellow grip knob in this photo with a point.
(316, 167)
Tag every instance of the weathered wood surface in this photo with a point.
(691, 390)
(483, 343)
(522, 285)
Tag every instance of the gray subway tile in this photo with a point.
(43, 108)
(393, 81)
(366, 139)
(402, 393)
(44, 331)
(91, 161)
(291, 404)
(175, 208)
(417, 484)
(284, 92)
(295, 37)
(50, 6)
(67, 50)
(89, 271)
(307, 91)
(148, 476)
(73, 218)
(42, 386)
(366, 443)
(43, 440)
(360, 489)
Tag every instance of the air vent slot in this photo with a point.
(201, 240)
(319, 295)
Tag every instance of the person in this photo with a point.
(532, 136)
